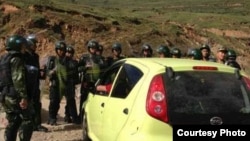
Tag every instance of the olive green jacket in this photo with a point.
(18, 91)
(18, 76)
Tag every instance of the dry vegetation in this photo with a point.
(132, 27)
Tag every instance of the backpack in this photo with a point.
(5, 73)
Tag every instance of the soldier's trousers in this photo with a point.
(70, 108)
(83, 98)
(37, 109)
(54, 103)
(19, 122)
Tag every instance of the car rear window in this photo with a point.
(195, 97)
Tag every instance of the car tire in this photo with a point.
(85, 130)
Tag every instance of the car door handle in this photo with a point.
(125, 111)
(102, 104)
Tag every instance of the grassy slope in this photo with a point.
(155, 16)
(224, 14)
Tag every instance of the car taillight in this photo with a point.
(247, 81)
(156, 104)
(204, 68)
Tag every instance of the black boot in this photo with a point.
(67, 119)
(52, 122)
(76, 120)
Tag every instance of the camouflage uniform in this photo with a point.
(19, 118)
(90, 68)
(57, 73)
(57, 88)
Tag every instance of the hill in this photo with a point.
(178, 23)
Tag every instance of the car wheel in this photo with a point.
(85, 130)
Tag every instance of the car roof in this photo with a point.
(179, 64)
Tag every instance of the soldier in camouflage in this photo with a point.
(57, 73)
(90, 67)
(16, 103)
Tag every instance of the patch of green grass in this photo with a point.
(230, 14)
(216, 13)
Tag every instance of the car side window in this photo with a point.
(127, 78)
(108, 77)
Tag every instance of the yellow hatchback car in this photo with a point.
(146, 97)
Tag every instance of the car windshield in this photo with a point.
(207, 94)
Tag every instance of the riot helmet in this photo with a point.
(175, 52)
(70, 49)
(30, 44)
(15, 43)
(32, 38)
(147, 48)
(194, 53)
(231, 54)
(93, 44)
(100, 48)
(164, 50)
(117, 46)
(60, 45)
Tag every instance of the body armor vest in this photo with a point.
(5, 69)
(6, 82)
(92, 66)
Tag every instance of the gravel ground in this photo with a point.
(62, 132)
(58, 135)
(72, 134)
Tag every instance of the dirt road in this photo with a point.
(62, 132)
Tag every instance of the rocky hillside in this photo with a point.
(76, 28)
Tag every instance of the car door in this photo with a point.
(94, 112)
(117, 107)
(97, 100)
